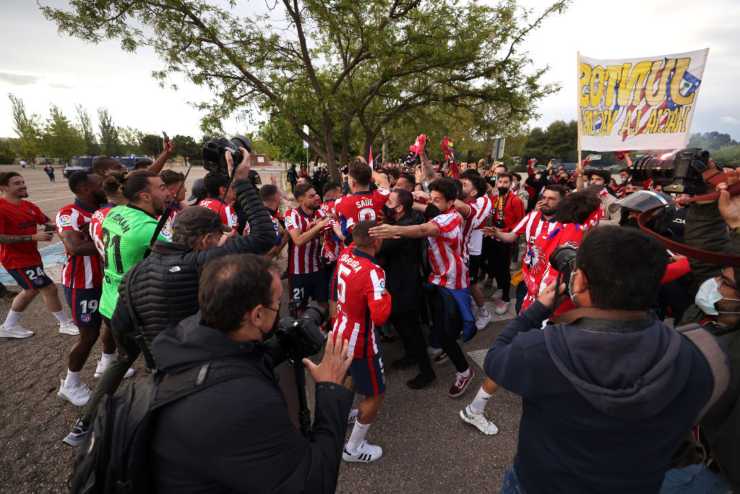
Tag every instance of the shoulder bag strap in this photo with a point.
(716, 358)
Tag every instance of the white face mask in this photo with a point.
(707, 296)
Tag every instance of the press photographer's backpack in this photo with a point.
(115, 456)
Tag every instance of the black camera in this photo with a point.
(296, 338)
(678, 172)
(564, 260)
(214, 153)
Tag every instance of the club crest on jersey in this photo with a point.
(65, 220)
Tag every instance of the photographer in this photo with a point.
(237, 436)
(163, 288)
(609, 392)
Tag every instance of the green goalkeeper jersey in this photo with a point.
(127, 231)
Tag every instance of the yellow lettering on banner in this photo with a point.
(607, 122)
(625, 127)
(652, 121)
(671, 125)
(583, 81)
(682, 64)
(684, 117)
(656, 90)
(596, 87)
(614, 73)
(632, 83)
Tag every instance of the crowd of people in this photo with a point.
(610, 390)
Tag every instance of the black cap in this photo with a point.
(197, 191)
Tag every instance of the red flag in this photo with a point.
(370, 158)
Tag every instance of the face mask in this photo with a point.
(707, 296)
(502, 191)
(389, 213)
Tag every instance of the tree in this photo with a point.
(186, 147)
(712, 141)
(130, 140)
(339, 67)
(60, 139)
(150, 144)
(27, 128)
(110, 143)
(88, 134)
(7, 154)
(559, 141)
(288, 146)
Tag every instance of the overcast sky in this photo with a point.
(44, 67)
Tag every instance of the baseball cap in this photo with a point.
(197, 191)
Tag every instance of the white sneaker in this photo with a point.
(352, 417)
(482, 319)
(501, 307)
(14, 332)
(77, 395)
(366, 453)
(479, 421)
(69, 328)
(101, 368)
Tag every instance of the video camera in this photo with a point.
(296, 338)
(679, 172)
(564, 260)
(214, 153)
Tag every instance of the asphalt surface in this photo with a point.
(427, 448)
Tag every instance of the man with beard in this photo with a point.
(19, 255)
(82, 278)
(305, 224)
(128, 231)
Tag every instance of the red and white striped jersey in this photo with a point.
(360, 206)
(362, 301)
(480, 210)
(303, 259)
(224, 211)
(332, 245)
(79, 271)
(445, 252)
(96, 228)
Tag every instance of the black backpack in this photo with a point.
(115, 457)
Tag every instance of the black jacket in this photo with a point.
(401, 259)
(164, 287)
(237, 436)
(605, 403)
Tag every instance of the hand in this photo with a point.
(242, 171)
(323, 222)
(42, 236)
(384, 231)
(335, 362)
(540, 204)
(489, 231)
(547, 296)
(729, 206)
(420, 196)
(169, 146)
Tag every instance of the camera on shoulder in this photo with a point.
(214, 153)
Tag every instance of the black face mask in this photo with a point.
(502, 191)
(389, 213)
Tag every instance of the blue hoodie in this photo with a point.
(605, 403)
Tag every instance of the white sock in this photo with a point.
(107, 358)
(72, 380)
(464, 374)
(12, 319)
(359, 431)
(479, 402)
(61, 316)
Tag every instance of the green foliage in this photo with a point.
(60, 139)
(110, 143)
(7, 153)
(728, 155)
(711, 141)
(186, 147)
(559, 141)
(347, 69)
(27, 128)
(84, 123)
(150, 144)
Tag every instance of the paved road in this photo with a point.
(427, 447)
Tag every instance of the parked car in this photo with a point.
(78, 163)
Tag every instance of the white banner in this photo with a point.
(638, 103)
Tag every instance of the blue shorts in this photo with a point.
(83, 302)
(368, 376)
(309, 286)
(31, 277)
